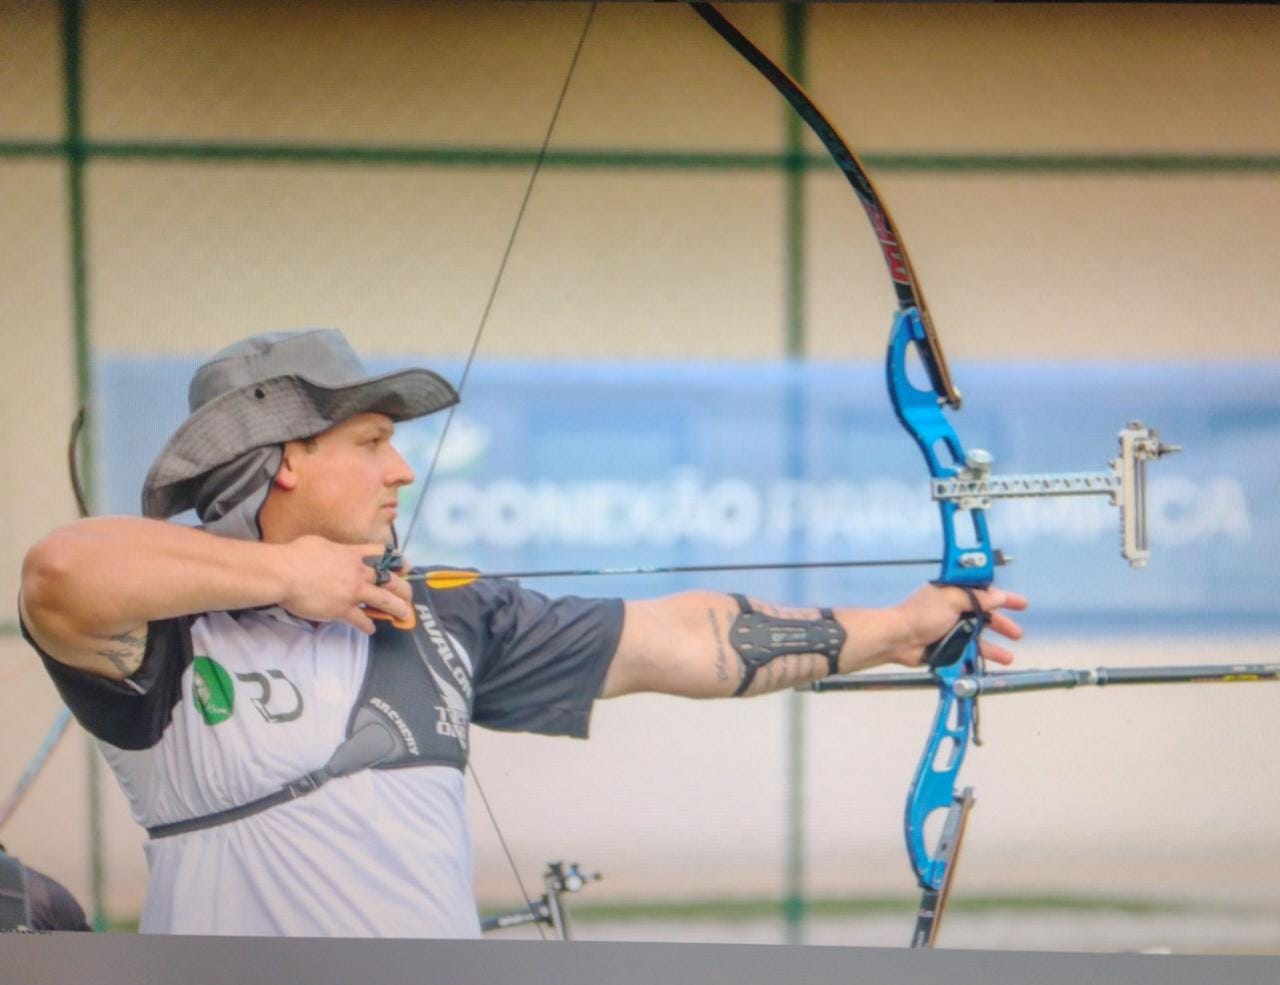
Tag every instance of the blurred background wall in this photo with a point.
(1077, 185)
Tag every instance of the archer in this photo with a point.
(298, 758)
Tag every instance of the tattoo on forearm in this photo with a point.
(722, 658)
(788, 671)
(126, 657)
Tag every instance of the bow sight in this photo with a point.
(1124, 481)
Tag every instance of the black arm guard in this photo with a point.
(759, 638)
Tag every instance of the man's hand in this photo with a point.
(931, 611)
(325, 581)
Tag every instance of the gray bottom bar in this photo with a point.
(127, 959)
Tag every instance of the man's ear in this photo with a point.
(287, 475)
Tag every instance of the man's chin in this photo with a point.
(380, 534)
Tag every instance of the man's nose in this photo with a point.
(399, 473)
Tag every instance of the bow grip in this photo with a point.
(948, 651)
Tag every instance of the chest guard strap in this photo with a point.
(367, 747)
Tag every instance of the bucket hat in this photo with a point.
(272, 388)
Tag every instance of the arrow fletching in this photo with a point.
(450, 579)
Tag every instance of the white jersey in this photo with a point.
(228, 708)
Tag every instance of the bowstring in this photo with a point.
(502, 267)
(462, 382)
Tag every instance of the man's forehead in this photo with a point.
(367, 423)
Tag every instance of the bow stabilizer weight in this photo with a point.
(551, 908)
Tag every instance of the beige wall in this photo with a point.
(184, 256)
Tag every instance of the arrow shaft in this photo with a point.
(694, 568)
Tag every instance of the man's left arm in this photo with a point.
(710, 645)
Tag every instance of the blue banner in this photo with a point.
(610, 464)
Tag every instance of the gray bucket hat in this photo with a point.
(268, 389)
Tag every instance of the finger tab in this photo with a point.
(408, 622)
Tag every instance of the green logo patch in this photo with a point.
(212, 690)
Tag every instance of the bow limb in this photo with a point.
(905, 284)
(968, 558)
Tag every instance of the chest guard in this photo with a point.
(414, 709)
(417, 690)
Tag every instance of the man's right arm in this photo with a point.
(89, 589)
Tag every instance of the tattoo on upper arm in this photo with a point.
(126, 655)
(722, 658)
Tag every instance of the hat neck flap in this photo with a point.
(229, 499)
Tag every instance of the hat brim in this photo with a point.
(285, 408)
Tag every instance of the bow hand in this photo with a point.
(941, 621)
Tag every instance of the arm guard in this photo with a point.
(761, 638)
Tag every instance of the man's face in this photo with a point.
(345, 481)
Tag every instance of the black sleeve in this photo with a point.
(133, 713)
(539, 662)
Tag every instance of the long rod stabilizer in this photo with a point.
(1017, 681)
